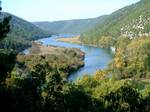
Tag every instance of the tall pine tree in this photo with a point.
(4, 24)
(7, 57)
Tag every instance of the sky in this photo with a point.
(54, 10)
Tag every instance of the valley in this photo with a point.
(93, 56)
(98, 64)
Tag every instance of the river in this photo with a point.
(95, 58)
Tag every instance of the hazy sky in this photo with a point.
(51, 10)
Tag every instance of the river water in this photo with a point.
(95, 58)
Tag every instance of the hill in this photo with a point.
(69, 26)
(22, 32)
(131, 21)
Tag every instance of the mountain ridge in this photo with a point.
(69, 26)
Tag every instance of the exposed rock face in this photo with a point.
(137, 27)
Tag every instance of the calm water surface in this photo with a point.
(95, 58)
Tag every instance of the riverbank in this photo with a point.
(95, 58)
(75, 39)
(60, 59)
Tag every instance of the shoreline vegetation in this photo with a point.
(66, 60)
(40, 49)
(74, 39)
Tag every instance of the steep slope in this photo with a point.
(131, 21)
(24, 29)
(69, 26)
(22, 32)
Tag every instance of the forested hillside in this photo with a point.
(132, 21)
(69, 26)
(38, 82)
(128, 30)
(22, 32)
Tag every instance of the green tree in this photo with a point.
(7, 57)
(4, 25)
(124, 99)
